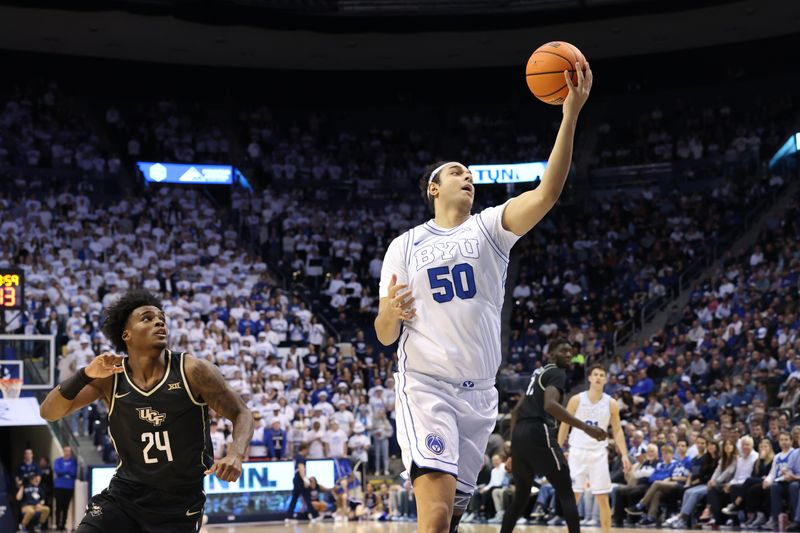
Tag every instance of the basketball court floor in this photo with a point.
(382, 527)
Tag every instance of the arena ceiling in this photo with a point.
(361, 34)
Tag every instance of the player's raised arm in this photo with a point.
(563, 429)
(526, 210)
(619, 436)
(557, 411)
(85, 386)
(206, 382)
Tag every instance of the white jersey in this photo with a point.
(457, 277)
(594, 414)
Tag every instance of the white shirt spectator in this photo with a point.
(337, 443)
(358, 445)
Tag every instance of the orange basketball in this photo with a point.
(545, 71)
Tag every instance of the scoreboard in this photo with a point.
(12, 289)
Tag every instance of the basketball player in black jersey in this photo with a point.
(534, 448)
(158, 403)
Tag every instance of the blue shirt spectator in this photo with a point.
(66, 470)
(275, 438)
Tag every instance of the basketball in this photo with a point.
(545, 71)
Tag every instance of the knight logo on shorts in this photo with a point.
(148, 414)
(435, 443)
(95, 510)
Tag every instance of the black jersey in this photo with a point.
(533, 405)
(161, 436)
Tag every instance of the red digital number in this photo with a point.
(9, 297)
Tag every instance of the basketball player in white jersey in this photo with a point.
(444, 283)
(588, 458)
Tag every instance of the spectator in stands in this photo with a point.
(664, 488)
(663, 471)
(701, 469)
(783, 481)
(65, 469)
(491, 504)
(358, 444)
(275, 438)
(723, 474)
(381, 433)
(754, 488)
(719, 495)
(31, 499)
(258, 444)
(638, 483)
(47, 481)
(27, 469)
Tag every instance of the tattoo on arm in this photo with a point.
(214, 390)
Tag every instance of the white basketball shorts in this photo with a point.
(589, 466)
(443, 426)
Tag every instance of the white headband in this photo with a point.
(437, 169)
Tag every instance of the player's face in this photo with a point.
(563, 355)
(598, 378)
(146, 329)
(455, 186)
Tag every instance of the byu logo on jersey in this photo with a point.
(446, 250)
(148, 414)
(435, 443)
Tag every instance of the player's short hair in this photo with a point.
(426, 179)
(595, 366)
(120, 310)
(556, 343)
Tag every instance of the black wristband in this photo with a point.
(70, 387)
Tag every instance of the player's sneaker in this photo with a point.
(538, 511)
(498, 518)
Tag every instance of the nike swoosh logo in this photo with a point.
(194, 513)
(419, 241)
(121, 395)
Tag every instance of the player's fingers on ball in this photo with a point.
(393, 280)
(408, 303)
(569, 80)
(580, 73)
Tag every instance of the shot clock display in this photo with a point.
(12, 287)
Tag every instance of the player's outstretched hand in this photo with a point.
(578, 94)
(229, 468)
(596, 433)
(400, 303)
(104, 365)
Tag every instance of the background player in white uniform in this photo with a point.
(588, 458)
(445, 282)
